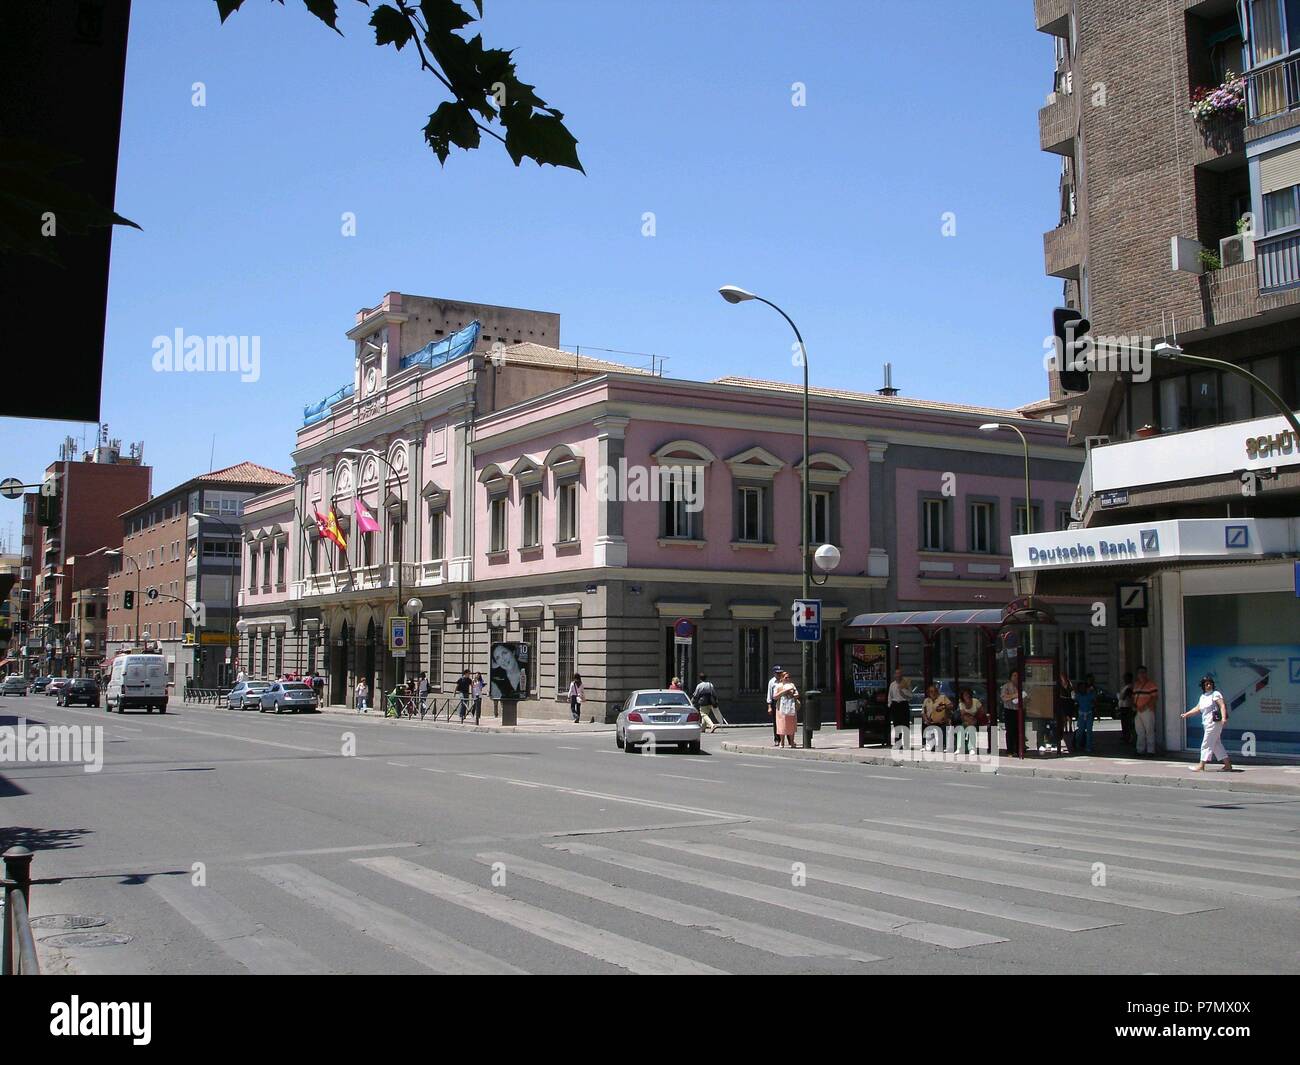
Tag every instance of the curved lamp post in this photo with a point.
(401, 499)
(735, 294)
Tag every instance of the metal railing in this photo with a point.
(206, 695)
(19, 946)
(1273, 90)
(1278, 259)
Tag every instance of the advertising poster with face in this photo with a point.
(509, 670)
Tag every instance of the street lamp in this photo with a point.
(230, 616)
(735, 294)
(993, 427)
(413, 608)
(401, 506)
(827, 559)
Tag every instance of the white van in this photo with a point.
(137, 680)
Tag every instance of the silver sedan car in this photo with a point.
(291, 695)
(659, 716)
(246, 694)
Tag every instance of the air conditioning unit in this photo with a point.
(1089, 442)
(1236, 249)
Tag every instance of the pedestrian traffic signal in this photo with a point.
(1073, 348)
(128, 600)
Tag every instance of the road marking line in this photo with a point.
(400, 765)
(697, 780)
(696, 918)
(425, 945)
(594, 942)
(985, 876)
(891, 924)
(238, 936)
(1181, 830)
(1060, 920)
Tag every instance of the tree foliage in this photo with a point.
(487, 96)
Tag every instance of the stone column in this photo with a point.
(611, 547)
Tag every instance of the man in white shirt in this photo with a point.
(900, 701)
(771, 701)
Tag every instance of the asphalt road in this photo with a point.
(222, 842)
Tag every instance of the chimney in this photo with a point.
(888, 389)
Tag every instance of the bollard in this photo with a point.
(17, 880)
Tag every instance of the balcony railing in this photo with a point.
(1279, 262)
(1062, 251)
(1273, 90)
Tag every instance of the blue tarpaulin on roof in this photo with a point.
(315, 412)
(442, 351)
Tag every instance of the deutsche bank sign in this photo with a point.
(1084, 551)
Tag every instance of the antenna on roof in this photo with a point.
(888, 389)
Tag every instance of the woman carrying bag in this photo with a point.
(1214, 716)
(787, 709)
(575, 697)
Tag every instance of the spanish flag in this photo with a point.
(329, 528)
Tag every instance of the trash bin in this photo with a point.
(812, 702)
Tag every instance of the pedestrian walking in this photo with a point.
(900, 701)
(476, 691)
(787, 709)
(705, 698)
(363, 695)
(676, 685)
(1085, 697)
(1124, 704)
(772, 683)
(463, 685)
(318, 686)
(1145, 697)
(1214, 718)
(1009, 697)
(575, 697)
(423, 690)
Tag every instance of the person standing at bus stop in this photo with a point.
(1145, 697)
(771, 702)
(900, 701)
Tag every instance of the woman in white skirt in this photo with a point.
(1214, 717)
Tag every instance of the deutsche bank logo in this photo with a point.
(1236, 536)
(1150, 539)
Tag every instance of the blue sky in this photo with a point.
(834, 210)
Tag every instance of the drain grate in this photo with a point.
(69, 920)
(87, 939)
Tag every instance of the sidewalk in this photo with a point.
(486, 723)
(1165, 770)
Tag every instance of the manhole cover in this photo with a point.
(69, 920)
(88, 939)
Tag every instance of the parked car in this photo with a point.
(57, 684)
(82, 690)
(246, 695)
(137, 680)
(15, 684)
(658, 716)
(40, 684)
(292, 695)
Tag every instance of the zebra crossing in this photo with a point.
(883, 893)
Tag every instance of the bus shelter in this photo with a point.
(866, 662)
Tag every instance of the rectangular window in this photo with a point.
(680, 499)
(819, 518)
(530, 639)
(1280, 209)
(315, 554)
(566, 645)
(1236, 398)
(753, 660)
(981, 528)
(750, 507)
(435, 534)
(1022, 527)
(394, 536)
(934, 525)
(252, 569)
(1203, 408)
(1063, 518)
(435, 660)
(281, 564)
(567, 518)
(532, 508)
(497, 540)
(368, 549)
(1173, 404)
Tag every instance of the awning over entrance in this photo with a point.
(1019, 612)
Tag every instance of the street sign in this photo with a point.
(11, 488)
(683, 632)
(806, 616)
(397, 637)
(152, 593)
(1133, 606)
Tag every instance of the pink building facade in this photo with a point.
(583, 507)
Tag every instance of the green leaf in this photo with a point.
(542, 138)
(391, 27)
(451, 124)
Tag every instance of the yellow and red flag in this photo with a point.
(329, 528)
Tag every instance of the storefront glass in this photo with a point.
(1250, 644)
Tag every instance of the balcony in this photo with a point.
(1063, 251)
(1058, 124)
(1273, 94)
(1053, 16)
(1230, 294)
(1279, 263)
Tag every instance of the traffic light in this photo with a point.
(128, 600)
(47, 510)
(1073, 348)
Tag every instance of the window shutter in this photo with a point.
(1280, 170)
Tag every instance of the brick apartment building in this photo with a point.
(1183, 228)
(90, 494)
(179, 557)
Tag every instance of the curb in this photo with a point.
(1195, 783)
